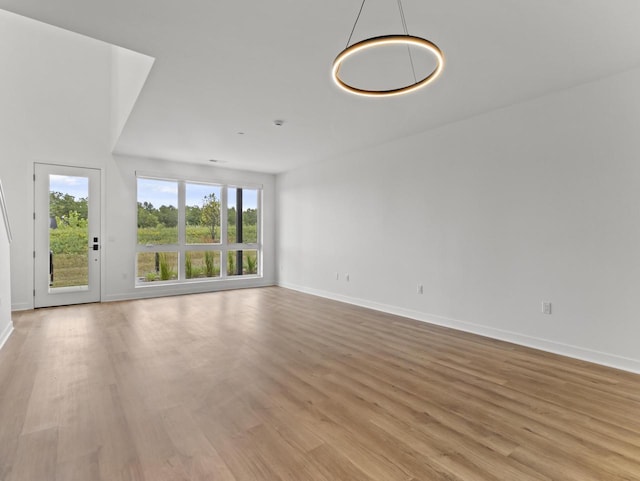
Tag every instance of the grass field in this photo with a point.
(70, 270)
(195, 234)
(69, 246)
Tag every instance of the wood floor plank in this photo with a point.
(36, 456)
(274, 385)
(80, 468)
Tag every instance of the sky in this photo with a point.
(158, 192)
(67, 184)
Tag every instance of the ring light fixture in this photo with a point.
(374, 42)
(384, 40)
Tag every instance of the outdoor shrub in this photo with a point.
(188, 267)
(231, 263)
(208, 263)
(71, 236)
(150, 276)
(252, 265)
(165, 270)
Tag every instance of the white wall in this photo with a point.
(129, 72)
(56, 107)
(493, 215)
(6, 324)
(121, 210)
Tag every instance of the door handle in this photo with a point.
(95, 244)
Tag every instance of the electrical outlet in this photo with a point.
(546, 308)
(419, 289)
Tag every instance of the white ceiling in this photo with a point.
(230, 66)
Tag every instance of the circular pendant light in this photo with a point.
(385, 40)
(370, 43)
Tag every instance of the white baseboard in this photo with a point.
(4, 337)
(173, 290)
(149, 292)
(576, 352)
(22, 306)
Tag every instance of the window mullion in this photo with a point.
(239, 234)
(259, 230)
(182, 234)
(159, 236)
(223, 232)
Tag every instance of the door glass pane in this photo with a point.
(202, 214)
(157, 212)
(68, 231)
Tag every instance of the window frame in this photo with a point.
(181, 247)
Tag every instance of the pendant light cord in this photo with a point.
(402, 19)
(404, 27)
(384, 41)
(355, 23)
(406, 32)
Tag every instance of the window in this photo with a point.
(190, 231)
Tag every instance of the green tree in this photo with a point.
(147, 215)
(250, 217)
(61, 205)
(231, 216)
(194, 215)
(168, 215)
(211, 213)
(72, 220)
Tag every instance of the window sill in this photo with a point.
(186, 282)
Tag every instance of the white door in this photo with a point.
(67, 235)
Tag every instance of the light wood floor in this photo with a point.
(273, 385)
